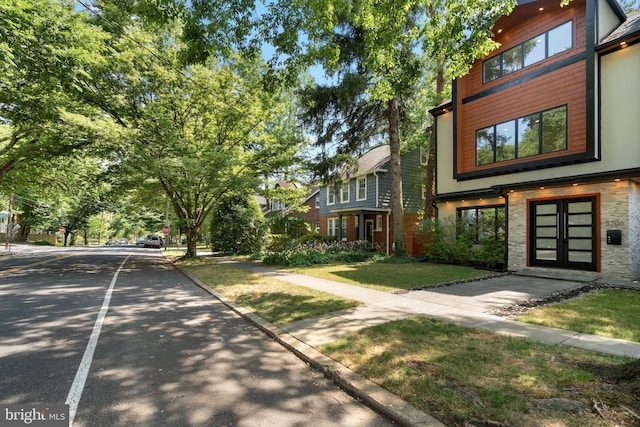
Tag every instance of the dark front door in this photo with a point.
(563, 233)
(368, 232)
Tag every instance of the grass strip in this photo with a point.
(611, 313)
(464, 376)
(276, 301)
(390, 277)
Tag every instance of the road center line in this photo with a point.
(75, 393)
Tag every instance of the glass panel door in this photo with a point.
(546, 232)
(580, 233)
(563, 233)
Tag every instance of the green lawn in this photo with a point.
(611, 313)
(275, 301)
(461, 376)
(469, 377)
(391, 277)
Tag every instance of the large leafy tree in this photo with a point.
(193, 134)
(45, 48)
(390, 36)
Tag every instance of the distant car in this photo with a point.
(111, 242)
(124, 241)
(153, 241)
(140, 241)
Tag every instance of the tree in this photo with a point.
(457, 33)
(194, 133)
(44, 49)
(238, 226)
(388, 36)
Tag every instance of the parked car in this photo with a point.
(140, 241)
(153, 241)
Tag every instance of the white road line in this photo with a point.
(75, 393)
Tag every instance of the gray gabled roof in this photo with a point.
(373, 160)
(630, 27)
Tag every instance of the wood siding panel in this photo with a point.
(564, 86)
(553, 16)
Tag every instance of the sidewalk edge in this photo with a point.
(373, 395)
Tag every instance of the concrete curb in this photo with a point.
(374, 396)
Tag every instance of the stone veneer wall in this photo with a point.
(634, 229)
(619, 209)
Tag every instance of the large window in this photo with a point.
(538, 133)
(545, 45)
(483, 222)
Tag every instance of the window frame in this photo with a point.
(332, 227)
(358, 188)
(499, 60)
(492, 134)
(378, 222)
(331, 195)
(499, 235)
(342, 192)
(344, 225)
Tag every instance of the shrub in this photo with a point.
(43, 243)
(491, 252)
(238, 226)
(450, 242)
(309, 252)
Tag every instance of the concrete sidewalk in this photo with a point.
(466, 304)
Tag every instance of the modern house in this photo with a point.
(542, 137)
(358, 207)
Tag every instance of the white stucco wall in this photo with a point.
(619, 133)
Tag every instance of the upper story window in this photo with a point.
(318, 201)
(277, 205)
(344, 192)
(331, 195)
(362, 188)
(545, 45)
(537, 133)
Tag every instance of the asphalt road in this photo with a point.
(126, 340)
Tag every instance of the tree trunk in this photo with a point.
(397, 207)
(429, 200)
(192, 241)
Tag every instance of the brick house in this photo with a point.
(359, 206)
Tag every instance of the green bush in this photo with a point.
(310, 252)
(491, 252)
(238, 226)
(43, 243)
(453, 242)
